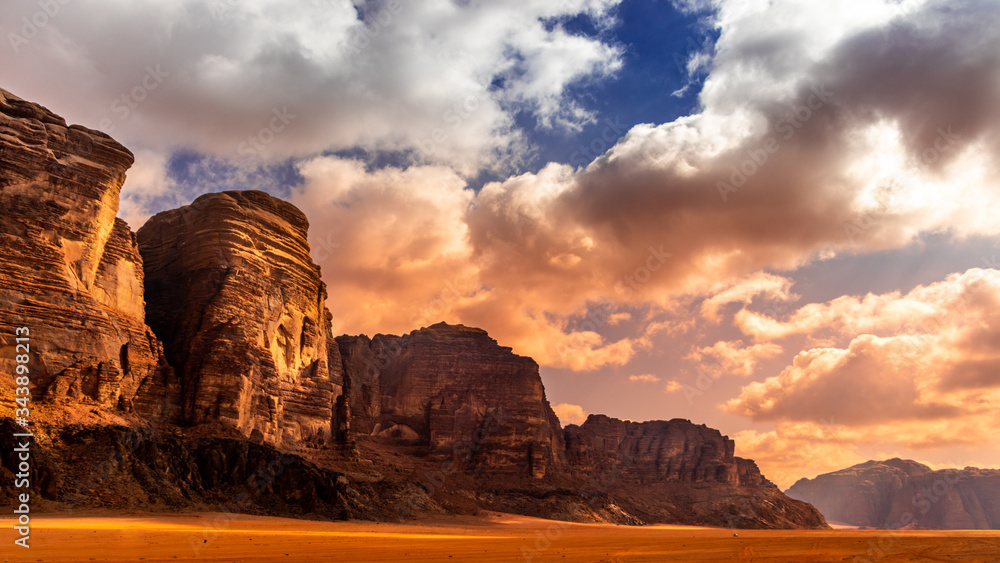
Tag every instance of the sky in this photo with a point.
(776, 218)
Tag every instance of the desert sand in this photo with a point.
(496, 537)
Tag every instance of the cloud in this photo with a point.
(673, 386)
(745, 290)
(147, 181)
(393, 247)
(917, 372)
(570, 414)
(644, 378)
(732, 358)
(794, 451)
(936, 358)
(820, 131)
(439, 82)
(795, 156)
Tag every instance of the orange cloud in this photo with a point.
(923, 376)
(673, 386)
(745, 290)
(727, 193)
(730, 358)
(570, 414)
(644, 378)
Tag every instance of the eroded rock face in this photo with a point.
(453, 387)
(72, 273)
(658, 450)
(903, 493)
(240, 307)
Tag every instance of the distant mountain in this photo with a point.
(901, 493)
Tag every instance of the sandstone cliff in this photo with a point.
(240, 307)
(901, 493)
(655, 451)
(72, 273)
(447, 407)
(447, 386)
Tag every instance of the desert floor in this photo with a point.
(496, 537)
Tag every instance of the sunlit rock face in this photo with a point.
(903, 493)
(454, 389)
(70, 271)
(658, 450)
(240, 307)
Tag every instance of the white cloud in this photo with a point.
(409, 76)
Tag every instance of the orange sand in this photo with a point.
(498, 537)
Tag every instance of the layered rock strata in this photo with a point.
(657, 451)
(240, 307)
(72, 273)
(455, 390)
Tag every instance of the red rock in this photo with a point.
(451, 386)
(240, 307)
(72, 273)
(654, 451)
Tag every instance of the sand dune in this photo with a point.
(498, 537)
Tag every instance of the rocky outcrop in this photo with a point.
(240, 307)
(71, 271)
(362, 391)
(656, 451)
(452, 392)
(119, 467)
(453, 388)
(899, 493)
(676, 471)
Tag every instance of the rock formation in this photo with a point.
(656, 451)
(453, 388)
(119, 467)
(899, 493)
(240, 307)
(676, 471)
(72, 273)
